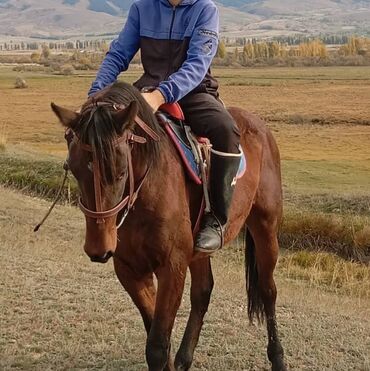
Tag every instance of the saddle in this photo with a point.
(194, 151)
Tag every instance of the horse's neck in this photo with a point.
(165, 173)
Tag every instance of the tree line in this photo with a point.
(316, 51)
(55, 45)
(87, 55)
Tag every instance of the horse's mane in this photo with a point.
(98, 129)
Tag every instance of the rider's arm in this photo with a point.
(202, 48)
(120, 53)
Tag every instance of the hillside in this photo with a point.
(68, 18)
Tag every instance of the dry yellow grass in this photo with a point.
(333, 95)
(62, 312)
(316, 158)
(323, 269)
(346, 235)
(337, 95)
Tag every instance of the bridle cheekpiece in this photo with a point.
(129, 137)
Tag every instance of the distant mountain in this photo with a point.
(113, 7)
(252, 18)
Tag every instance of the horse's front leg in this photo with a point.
(140, 288)
(171, 279)
(201, 289)
(143, 293)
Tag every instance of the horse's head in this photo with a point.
(99, 140)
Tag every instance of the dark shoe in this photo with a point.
(224, 167)
(210, 235)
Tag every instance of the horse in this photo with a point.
(130, 174)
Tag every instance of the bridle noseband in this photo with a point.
(128, 137)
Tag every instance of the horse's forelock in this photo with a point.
(98, 129)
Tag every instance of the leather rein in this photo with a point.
(127, 202)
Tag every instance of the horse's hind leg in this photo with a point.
(262, 257)
(143, 293)
(201, 289)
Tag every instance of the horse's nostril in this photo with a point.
(109, 254)
(101, 259)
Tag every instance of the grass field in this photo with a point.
(319, 117)
(61, 312)
(297, 103)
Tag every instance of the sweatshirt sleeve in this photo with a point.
(202, 48)
(120, 53)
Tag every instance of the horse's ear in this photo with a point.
(125, 118)
(66, 116)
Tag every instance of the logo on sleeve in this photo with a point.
(207, 33)
(207, 47)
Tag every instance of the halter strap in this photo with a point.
(97, 186)
(129, 200)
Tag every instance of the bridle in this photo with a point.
(130, 138)
(127, 137)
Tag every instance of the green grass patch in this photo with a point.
(318, 176)
(41, 178)
(346, 204)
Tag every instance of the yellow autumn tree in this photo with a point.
(355, 46)
(221, 50)
(315, 48)
(248, 51)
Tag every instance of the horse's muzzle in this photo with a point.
(101, 259)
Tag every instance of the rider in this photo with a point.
(178, 40)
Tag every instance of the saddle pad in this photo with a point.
(185, 152)
(177, 134)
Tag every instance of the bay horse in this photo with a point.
(123, 161)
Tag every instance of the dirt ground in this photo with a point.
(61, 312)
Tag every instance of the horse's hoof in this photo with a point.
(278, 365)
(183, 364)
(182, 368)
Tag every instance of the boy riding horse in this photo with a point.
(178, 40)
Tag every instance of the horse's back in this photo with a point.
(254, 129)
(248, 122)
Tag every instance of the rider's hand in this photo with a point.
(155, 99)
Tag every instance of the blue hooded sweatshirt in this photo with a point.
(177, 46)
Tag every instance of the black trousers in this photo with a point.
(208, 118)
